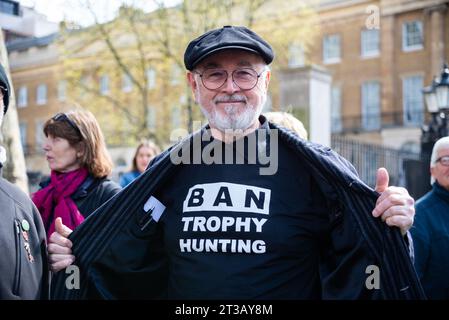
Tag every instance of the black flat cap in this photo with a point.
(228, 37)
(5, 84)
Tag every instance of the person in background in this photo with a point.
(287, 120)
(23, 266)
(145, 152)
(430, 232)
(80, 164)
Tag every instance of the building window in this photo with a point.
(62, 89)
(370, 43)
(104, 84)
(336, 109)
(9, 7)
(127, 85)
(371, 105)
(413, 100)
(176, 117)
(331, 48)
(151, 78)
(175, 75)
(412, 36)
(23, 135)
(39, 134)
(41, 94)
(23, 97)
(151, 121)
(296, 55)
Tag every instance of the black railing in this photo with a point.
(374, 122)
(367, 158)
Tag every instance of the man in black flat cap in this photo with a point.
(23, 264)
(242, 209)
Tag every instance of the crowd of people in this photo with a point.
(261, 213)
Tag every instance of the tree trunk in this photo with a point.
(14, 169)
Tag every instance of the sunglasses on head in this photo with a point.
(63, 117)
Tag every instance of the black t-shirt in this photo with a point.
(232, 233)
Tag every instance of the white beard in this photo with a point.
(233, 120)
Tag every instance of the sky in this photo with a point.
(58, 10)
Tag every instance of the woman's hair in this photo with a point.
(288, 121)
(80, 128)
(145, 143)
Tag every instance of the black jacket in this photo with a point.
(91, 194)
(118, 260)
(23, 264)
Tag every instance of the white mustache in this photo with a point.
(233, 98)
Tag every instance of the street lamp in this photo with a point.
(442, 90)
(436, 97)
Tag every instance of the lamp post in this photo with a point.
(436, 97)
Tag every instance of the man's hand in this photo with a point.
(395, 206)
(60, 247)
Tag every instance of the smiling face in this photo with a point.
(230, 107)
(60, 155)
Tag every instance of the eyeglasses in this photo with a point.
(63, 117)
(444, 160)
(244, 78)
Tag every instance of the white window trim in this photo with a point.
(127, 86)
(403, 78)
(415, 47)
(370, 54)
(102, 91)
(62, 97)
(44, 100)
(379, 124)
(338, 129)
(22, 103)
(151, 78)
(332, 60)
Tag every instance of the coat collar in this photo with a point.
(440, 191)
(82, 190)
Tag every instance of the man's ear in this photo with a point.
(192, 84)
(267, 79)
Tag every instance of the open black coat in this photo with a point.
(118, 261)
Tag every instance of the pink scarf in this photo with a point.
(54, 200)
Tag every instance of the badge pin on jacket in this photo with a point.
(155, 208)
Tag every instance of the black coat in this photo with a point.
(91, 194)
(118, 260)
(21, 276)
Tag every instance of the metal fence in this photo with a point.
(366, 158)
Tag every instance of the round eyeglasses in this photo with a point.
(244, 78)
(444, 160)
